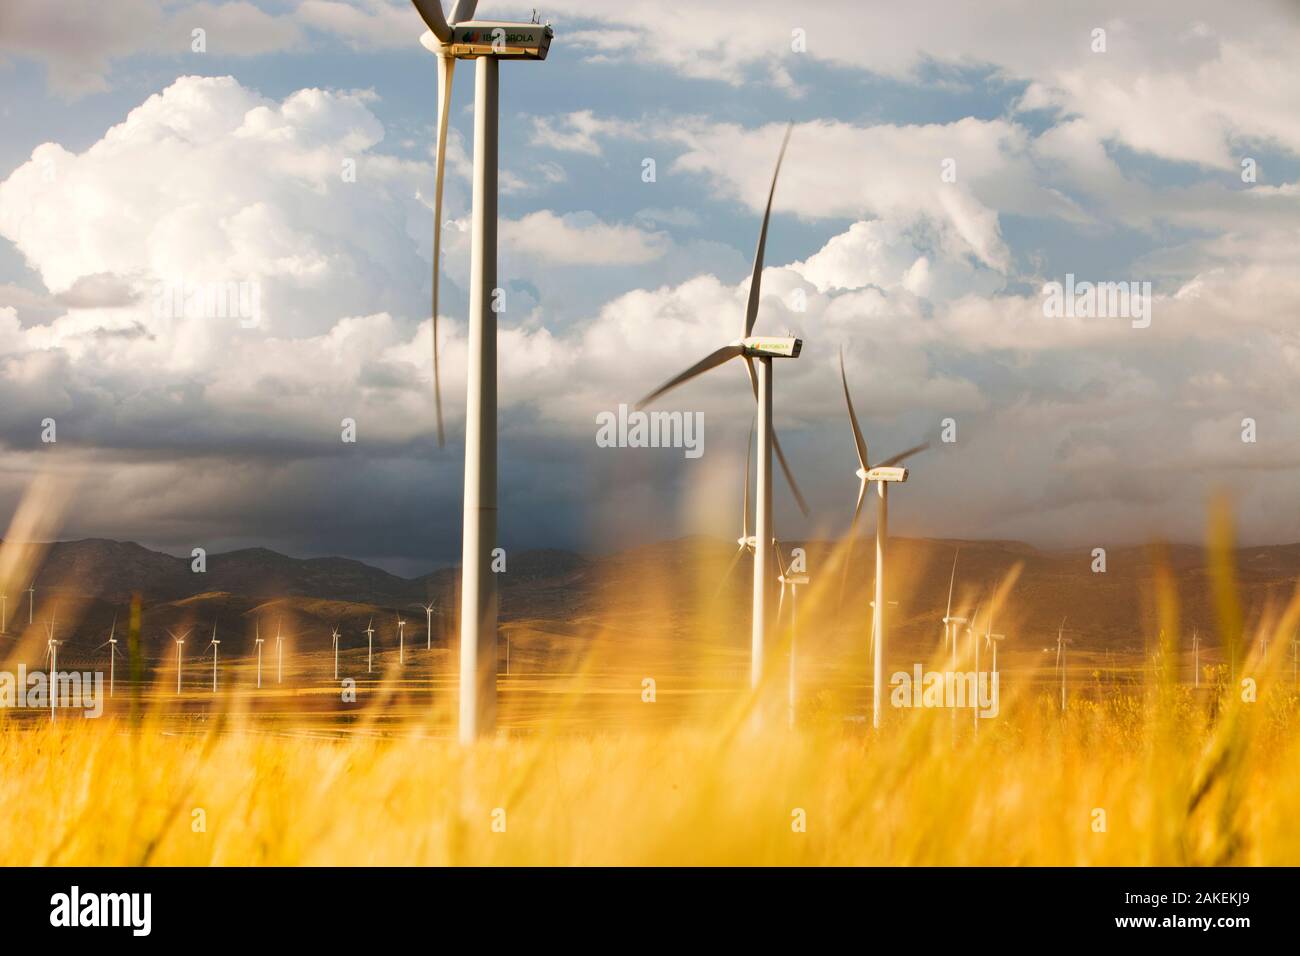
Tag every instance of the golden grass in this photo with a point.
(1178, 786)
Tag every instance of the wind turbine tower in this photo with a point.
(758, 351)
(258, 641)
(487, 42)
(883, 474)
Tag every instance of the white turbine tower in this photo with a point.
(111, 644)
(258, 641)
(335, 640)
(950, 622)
(180, 644)
(787, 577)
(401, 640)
(216, 652)
(279, 654)
(882, 473)
(31, 602)
(1196, 657)
(3, 616)
(52, 654)
(428, 624)
(370, 646)
(1061, 642)
(488, 42)
(763, 348)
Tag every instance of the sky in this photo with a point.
(947, 164)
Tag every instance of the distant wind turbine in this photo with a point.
(1196, 658)
(31, 601)
(949, 621)
(401, 640)
(786, 577)
(370, 646)
(882, 473)
(428, 624)
(216, 652)
(336, 653)
(279, 654)
(745, 543)
(111, 644)
(1061, 642)
(3, 599)
(52, 653)
(180, 644)
(258, 641)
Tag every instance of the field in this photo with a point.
(641, 743)
(1181, 778)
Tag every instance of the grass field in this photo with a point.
(1180, 778)
(1140, 767)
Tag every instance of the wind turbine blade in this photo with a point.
(430, 12)
(727, 574)
(853, 534)
(446, 69)
(780, 602)
(462, 10)
(712, 360)
(789, 475)
(776, 553)
(903, 454)
(859, 442)
(756, 280)
(951, 580)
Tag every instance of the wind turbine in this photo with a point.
(279, 654)
(993, 640)
(1196, 657)
(370, 645)
(3, 599)
(883, 473)
(488, 42)
(216, 652)
(401, 640)
(949, 621)
(336, 653)
(31, 601)
(763, 348)
(745, 543)
(1061, 642)
(258, 641)
(52, 654)
(1294, 661)
(111, 644)
(786, 577)
(428, 624)
(180, 643)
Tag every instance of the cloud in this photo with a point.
(78, 41)
(581, 238)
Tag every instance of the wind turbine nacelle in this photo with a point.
(524, 41)
(794, 579)
(892, 473)
(761, 345)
